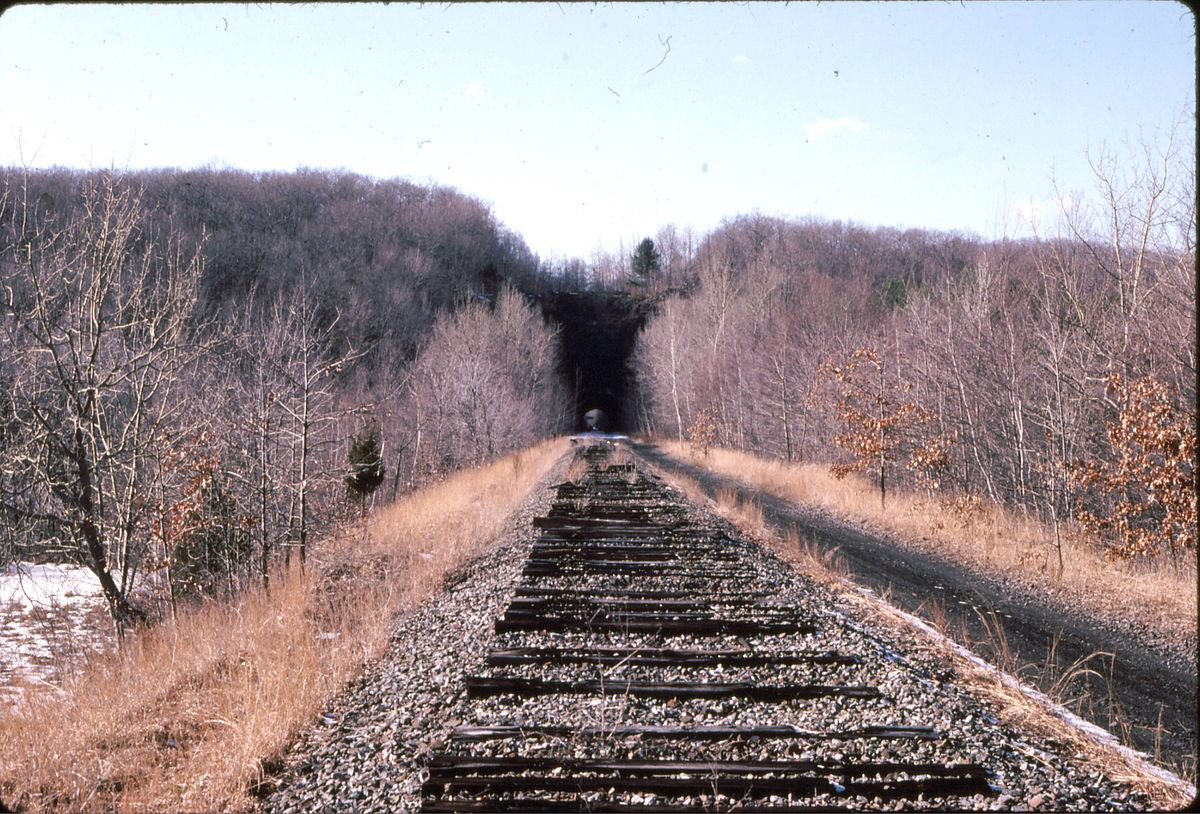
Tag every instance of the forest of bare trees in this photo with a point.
(200, 370)
(187, 360)
(1054, 373)
(486, 384)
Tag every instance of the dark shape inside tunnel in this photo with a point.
(599, 331)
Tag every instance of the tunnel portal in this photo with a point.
(599, 332)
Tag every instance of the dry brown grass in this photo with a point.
(1012, 706)
(1015, 709)
(989, 539)
(190, 713)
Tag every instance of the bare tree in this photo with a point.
(486, 383)
(96, 322)
(306, 365)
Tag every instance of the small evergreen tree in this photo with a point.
(893, 293)
(366, 463)
(212, 546)
(646, 264)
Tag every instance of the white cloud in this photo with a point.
(1030, 214)
(824, 128)
(1041, 213)
(741, 59)
(475, 90)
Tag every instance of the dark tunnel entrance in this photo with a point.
(599, 331)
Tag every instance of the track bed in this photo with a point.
(649, 661)
(621, 649)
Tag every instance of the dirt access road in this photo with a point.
(1145, 684)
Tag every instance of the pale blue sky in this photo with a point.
(938, 115)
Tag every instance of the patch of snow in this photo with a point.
(50, 615)
(30, 585)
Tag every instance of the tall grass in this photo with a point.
(1012, 705)
(192, 712)
(988, 538)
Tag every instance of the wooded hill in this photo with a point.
(386, 255)
(1056, 374)
(202, 370)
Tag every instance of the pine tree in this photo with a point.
(366, 463)
(645, 265)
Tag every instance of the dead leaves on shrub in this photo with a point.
(1142, 499)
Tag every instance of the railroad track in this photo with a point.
(699, 685)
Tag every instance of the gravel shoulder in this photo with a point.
(1142, 678)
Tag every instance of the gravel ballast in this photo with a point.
(368, 751)
(371, 750)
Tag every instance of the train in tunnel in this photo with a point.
(595, 420)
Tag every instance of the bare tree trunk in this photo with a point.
(674, 375)
(305, 426)
(787, 430)
(882, 447)
(123, 613)
(264, 493)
